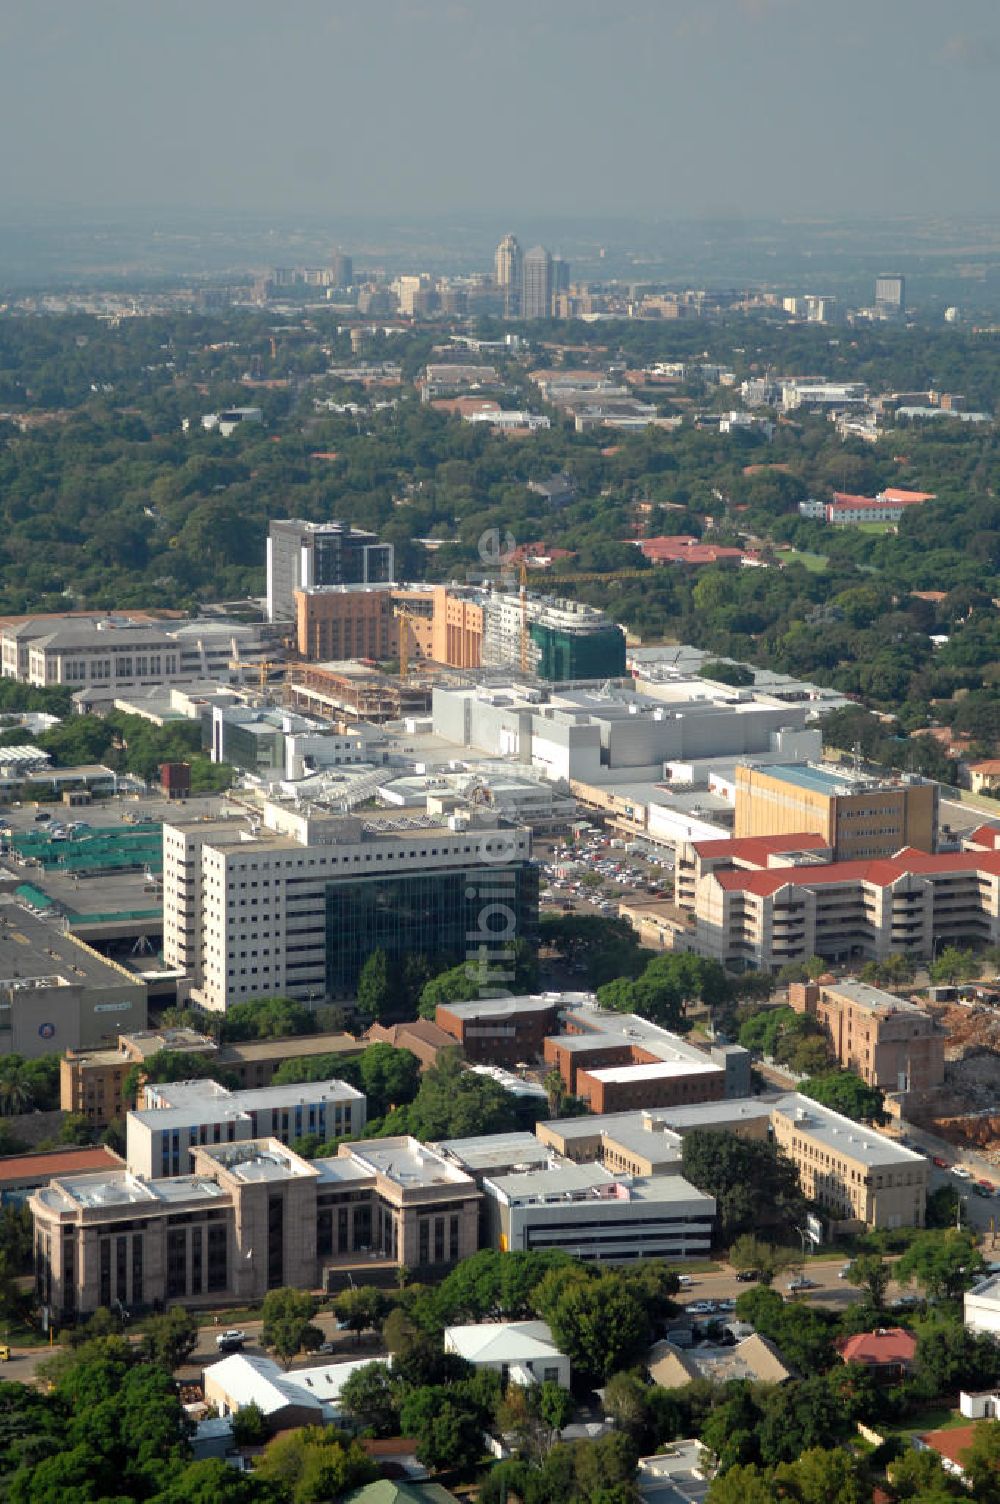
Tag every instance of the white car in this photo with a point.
(961, 1173)
(701, 1308)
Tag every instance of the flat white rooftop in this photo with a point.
(660, 1071)
(843, 1134)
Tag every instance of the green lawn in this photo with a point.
(815, 563)
(934, 1418)
(874, 527)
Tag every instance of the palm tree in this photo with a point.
(555, 1090)
(16, 1093)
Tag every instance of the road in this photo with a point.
(830, 1292)
(25, 1361)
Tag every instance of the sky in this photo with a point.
(421, 108)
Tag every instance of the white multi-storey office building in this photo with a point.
(179, 1116)
(296, 902)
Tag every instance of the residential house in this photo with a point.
(521, 1352)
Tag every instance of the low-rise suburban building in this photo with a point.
(521, 1352)
(286, 1398)
(888, 1354)
(982, 1305)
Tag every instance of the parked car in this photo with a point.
(231, 1340)
(844, 1272)
(700, 1308)
(961, 1173)
(747, 1276)
(942, 1164)
(987, 1186)
(801, 1283)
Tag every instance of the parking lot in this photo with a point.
(599, 871)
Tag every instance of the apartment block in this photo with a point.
(858, 816)
(177, 1117)
(890, 1042)
(847, 912)
(252, 1216)
(296, 904)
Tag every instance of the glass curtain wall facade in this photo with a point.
(430, 913)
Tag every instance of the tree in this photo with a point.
(555, 1090)
(376, 990)
(249, 1425)
(869, 1271)
(453, 1102)
(750, 1252)
(982, 1462)
(371, 1396)
(266, 1018)
(944, 1264)
(314, 1465)
(288, 1322)
(754, 1185)
(170, 1339)
(361, 1308)
(448, 1427)
(954, 965)
(921, 1476)
(390, 1077)
(597, 1322)
(846, 1093)
(212, 1482)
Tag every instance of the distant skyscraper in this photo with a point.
(342, 269)
(509, 271)
(890, 296)
(536, 301)
(560, 274)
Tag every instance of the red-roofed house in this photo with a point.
(847, 510)
(906, 498)
(984, 777)
(685, 549)
(887, 1353)
(951, 1445)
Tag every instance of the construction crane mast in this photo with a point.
(404, 616)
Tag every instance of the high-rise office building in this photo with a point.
(890, 296)
(536, 298)
(302, 555)
(560, 274)
(297, 903)
(342, 269)
(509, 274)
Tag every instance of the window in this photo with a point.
(177, 1274)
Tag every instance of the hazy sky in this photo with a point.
(582, 107)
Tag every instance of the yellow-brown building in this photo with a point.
(889, 1041)
(442, 625)
(857, 816)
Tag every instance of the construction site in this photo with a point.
(966, 1109)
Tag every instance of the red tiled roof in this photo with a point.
(908, 498)
(892, 1345)
(986, 835)
(880, 871)
(989, 765)
(953, 1443)
(58, 1162)
(759, 848)
(848, 499)
(684, 549)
